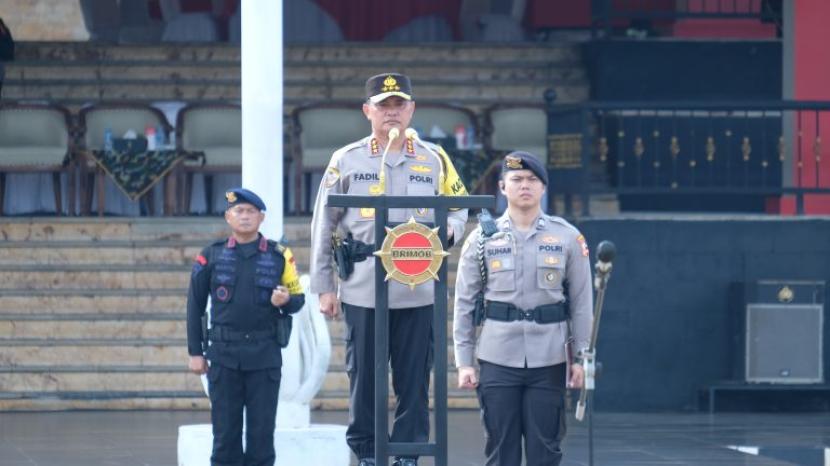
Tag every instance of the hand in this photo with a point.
(467, 377)
(329, 305)
(280, 296)
(577, 376)
(198, 365)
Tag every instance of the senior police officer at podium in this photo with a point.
(512, 277)
(392, 160)
(253, 286)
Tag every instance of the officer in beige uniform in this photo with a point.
(394, 164)
(527, 264)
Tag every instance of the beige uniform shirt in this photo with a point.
(526, 269)
(352, 170)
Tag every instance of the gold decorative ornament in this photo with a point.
(411, 253)
(603, 149)
(786, 294)
(231, 196)
(639, 148)
(710, 149)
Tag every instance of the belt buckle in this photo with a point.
(526, 315)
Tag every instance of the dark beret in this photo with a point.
(524, 161)
(243, 196)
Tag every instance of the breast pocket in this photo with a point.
(501, 273)
(420, 189)
(362, 214)
(550, 271)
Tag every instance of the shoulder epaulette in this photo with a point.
(561, 221)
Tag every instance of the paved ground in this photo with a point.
(149, 438)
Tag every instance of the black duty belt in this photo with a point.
(229, 335)
(545, 314)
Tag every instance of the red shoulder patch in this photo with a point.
(201, 260)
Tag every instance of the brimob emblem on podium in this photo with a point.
(412, 253)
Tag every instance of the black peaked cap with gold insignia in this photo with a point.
(524, 161)
(386, 85)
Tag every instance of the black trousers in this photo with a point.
(522, 404)
(410, 355)
(231, 390)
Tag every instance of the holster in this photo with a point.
(341, 258)
(283, 333)
(478, 309)
(347, 251)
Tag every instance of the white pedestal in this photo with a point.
(319, 444)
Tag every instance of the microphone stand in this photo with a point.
(605, 252)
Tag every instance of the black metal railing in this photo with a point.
(656, 153)
(606, 15)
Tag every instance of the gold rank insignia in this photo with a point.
(550, 260)
(375, 190)
(230, 196)
(513, 162)
(367, 212)
(373, 144)
(390, 84)
(420, 168)
(410, 146)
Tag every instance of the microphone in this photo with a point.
(380, 188)
(606, 251)
(410, 133)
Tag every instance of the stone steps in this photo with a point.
(101, 302)
(40, 327)
(191, 230)
(104, 253)
(121, 352)
(81, 277)
(156, 400)
(93, 314)
(63, 401)
(129, 378)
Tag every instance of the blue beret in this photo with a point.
(243, 196)
(524, 161)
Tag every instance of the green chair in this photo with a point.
(36, 138)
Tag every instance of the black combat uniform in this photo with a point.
(245, 339)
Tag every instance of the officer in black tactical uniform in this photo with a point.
(253, 286)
